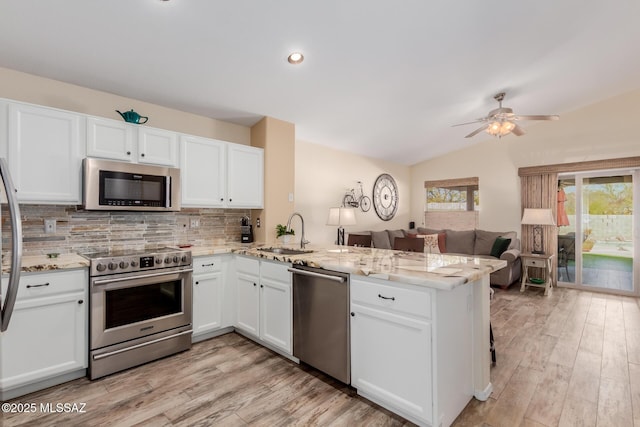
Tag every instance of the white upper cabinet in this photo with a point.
(117, 140)
(45, 153)
(202, 172)
(221, 174)
(157, 146)
(110, 139)
(245, 176)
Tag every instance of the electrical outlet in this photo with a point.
(49, 226)
(195, 222)
(258, 222)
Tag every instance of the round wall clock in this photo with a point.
(385, 197)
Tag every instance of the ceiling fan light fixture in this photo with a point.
(500, 128)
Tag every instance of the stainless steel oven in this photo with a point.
(140, 308)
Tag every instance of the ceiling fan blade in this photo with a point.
(537, 117)
(518, 131)
(477, 131)
(484, 119)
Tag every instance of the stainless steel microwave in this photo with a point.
(109, 185)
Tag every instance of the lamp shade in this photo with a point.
(341, 216)
(537, 217)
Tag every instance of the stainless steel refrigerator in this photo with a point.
(9, 292)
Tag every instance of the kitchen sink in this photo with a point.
(285, 251)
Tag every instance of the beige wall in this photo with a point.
(278, 140)
(604, 130)
(52, 93)
(322, 177)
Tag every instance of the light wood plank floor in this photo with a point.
(569, 359)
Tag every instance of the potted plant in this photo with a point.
(283, 234)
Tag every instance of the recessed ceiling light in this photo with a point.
(295, 58)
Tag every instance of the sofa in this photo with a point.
(477, 243)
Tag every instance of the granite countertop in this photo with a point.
(31, 263)
(439, 271)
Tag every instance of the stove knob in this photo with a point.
(101, 267)
(113, 266)
(176, 259)
(158, 260)
(184, 258)
(167, 260)
(124, 264)
(134, 263)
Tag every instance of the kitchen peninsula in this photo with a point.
(419, 322)
(419, 326)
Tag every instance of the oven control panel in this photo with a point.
(131, 263)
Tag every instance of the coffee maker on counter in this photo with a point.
(246, 231)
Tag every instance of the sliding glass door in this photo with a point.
(597, 230)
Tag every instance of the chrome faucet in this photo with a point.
(302, 240)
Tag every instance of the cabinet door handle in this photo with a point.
(353, 314)
(128, 153)
(254, 284)
(222, 199)
(80, 301)
(208, 265)
(38, 286)
(262, 286)
(197, 283)
(231, 200)
(141, 154)
(383, 297)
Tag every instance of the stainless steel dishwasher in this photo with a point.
(321, 320)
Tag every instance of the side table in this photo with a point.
(543, 261)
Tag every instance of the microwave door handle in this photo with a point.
(167, 195)
(16, 252)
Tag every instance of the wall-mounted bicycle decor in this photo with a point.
(357, 199)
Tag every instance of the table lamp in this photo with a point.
(341, 217)
(537, 218)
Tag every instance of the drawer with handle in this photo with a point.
(206, 264)
(35, 285)
(535, 262)
(416, 302)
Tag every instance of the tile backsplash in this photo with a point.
(80, 231)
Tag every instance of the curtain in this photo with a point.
(540, 191)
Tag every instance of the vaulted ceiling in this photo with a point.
(385, 79)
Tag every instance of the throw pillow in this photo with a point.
(381, 240)
(485, 240)
(393, 234)
(460, 242)
(430, 243)
(499, 246)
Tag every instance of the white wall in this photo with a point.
(322, 177)
(600, 131)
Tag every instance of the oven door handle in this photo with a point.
(144, 276)
(144, 344)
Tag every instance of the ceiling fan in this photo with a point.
(502, 121)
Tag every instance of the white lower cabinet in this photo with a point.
(212, 296)
(264, 302)
(247, 303)
(390, 350)
(47, 334)
(411, 348)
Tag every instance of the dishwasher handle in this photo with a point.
(314, 274)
